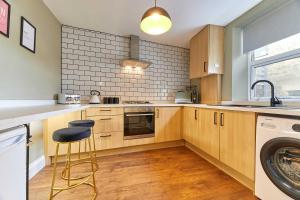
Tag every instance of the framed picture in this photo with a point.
(28, 35)
(4, 17)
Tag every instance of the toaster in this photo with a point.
(68, 98)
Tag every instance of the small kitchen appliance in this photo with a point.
(68, 98)
(183, 97)
(95, 97)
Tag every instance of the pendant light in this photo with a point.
(156, 21)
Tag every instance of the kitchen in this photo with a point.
(94, 106)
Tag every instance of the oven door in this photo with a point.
(280, 159)
(138, 125)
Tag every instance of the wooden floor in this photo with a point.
(165, 174)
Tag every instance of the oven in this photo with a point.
(139, 122)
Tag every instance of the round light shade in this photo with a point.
(156, 21)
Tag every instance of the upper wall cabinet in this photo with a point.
(207, 52)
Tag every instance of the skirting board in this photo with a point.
(125, 150)
(36, 166)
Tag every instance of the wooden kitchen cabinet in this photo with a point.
(210, 87)
(108, 128)
(167, 124)
(207, 52)
(237, 141)
(54, 123)
(209, 140)
(190, 125)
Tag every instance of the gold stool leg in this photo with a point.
(94, 150)
(69, 164)
(92, 167)
(54, 172)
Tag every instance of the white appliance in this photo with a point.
(183, 97)
(277, 175)
(68, 98)
(95, 97)
(13, 164)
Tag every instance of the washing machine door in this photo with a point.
(280, 159)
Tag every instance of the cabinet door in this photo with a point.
(167, 124)
(216, 50)
(190, 125)
(207, 52)
(195, 57)
(54, 123)
(108, 124)
(237, 141)
(204, 42)
(209, 132)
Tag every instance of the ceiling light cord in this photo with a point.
(155, 3)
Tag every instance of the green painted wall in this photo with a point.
(24, 75)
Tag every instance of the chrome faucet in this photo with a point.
(274, 100)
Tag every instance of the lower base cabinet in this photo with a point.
(108, 128)
(167, 124)
(228, 136)
(237, 141)
(54, 123)
(190, 125)
(209, 141)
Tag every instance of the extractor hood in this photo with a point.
(134, 60)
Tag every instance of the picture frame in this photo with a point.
(4, 18)
(28, 35)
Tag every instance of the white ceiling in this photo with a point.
(122, 17)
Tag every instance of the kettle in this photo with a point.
(95, 97)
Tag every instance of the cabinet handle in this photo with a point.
(222, 119)
(196, 112)
(105, 136)
(106, 110)
(157, 113)
(215, 118)
(106, 119)
(204, 67)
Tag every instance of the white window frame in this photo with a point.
(268, 61)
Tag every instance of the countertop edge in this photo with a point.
(49, 111)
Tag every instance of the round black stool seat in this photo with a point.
(71, 134)
(82, 123)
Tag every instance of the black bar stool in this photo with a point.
(68, 136)
(88, 124)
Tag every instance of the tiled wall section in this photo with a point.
(91, 60)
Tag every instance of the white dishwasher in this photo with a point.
(13, 164)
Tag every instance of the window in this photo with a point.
(279, 63)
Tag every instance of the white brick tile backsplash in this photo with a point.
(91, 60)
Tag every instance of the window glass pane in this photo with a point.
(282, 46)
(284, 75)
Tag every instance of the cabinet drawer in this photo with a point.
(104, 111)
(109, 140)
(107, 124)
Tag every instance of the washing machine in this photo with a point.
(277, 174)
